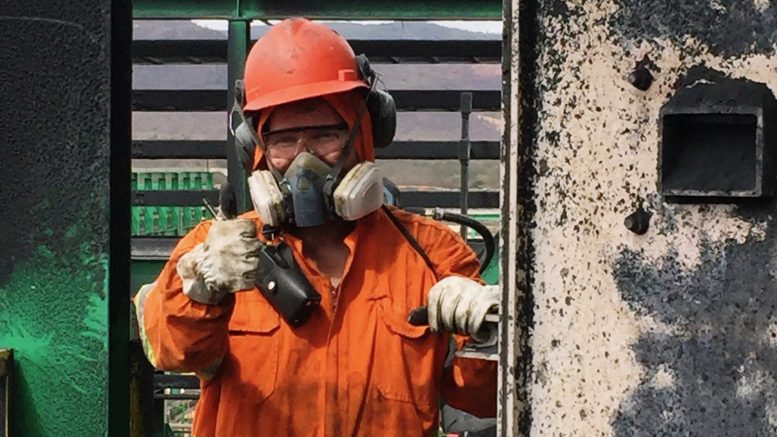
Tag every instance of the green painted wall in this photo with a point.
(64, 193)
(53, 312)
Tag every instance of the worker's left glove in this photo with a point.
(458, 304)
(227, 262)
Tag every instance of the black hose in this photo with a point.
(482, 230)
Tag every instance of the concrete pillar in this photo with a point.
(670, 332)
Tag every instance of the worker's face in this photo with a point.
(310, 125)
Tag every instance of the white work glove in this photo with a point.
(458, 304)
(228, 261)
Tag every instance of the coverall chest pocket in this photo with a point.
(409, 360)
(254, 341)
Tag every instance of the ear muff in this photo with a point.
(380, 104)
(383, 114)
(244, 135)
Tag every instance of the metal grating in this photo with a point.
(387, 51)
(316, 9)
(408, 199)
(378, 51)
(406, 100)
(207, 149)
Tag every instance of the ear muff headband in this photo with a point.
(380, 104)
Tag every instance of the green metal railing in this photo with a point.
(332, 9)
(175, 221)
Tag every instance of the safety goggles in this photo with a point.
(319, 140)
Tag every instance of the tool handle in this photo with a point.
(227, 201)
(420, 317)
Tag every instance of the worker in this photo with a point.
(356, 367)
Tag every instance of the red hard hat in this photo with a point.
(298, 59)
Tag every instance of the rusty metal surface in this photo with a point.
(667, 332)
(6, 357)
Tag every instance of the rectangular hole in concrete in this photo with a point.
(708, 153)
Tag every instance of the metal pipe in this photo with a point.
(465, 148)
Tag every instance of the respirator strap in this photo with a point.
(334, 176)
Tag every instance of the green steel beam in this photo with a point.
(239, 40)
(332, 10)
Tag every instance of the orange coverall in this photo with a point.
(355, 368)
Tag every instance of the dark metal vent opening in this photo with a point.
(709, 153)
(718, 142)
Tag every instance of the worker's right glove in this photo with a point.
(228, 261)
(458, 304)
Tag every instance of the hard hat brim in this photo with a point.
(299, 92)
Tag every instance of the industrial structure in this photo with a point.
(637, 196)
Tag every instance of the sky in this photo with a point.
(473, 26)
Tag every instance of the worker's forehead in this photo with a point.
(309, 112)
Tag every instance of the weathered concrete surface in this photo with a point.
(667, 333)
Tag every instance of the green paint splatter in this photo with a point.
(94, 319)
(53, 313)
(26, 345)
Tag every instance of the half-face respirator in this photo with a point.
(309, 194)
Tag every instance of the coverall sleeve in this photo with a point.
(469, 384)
(178, 333)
